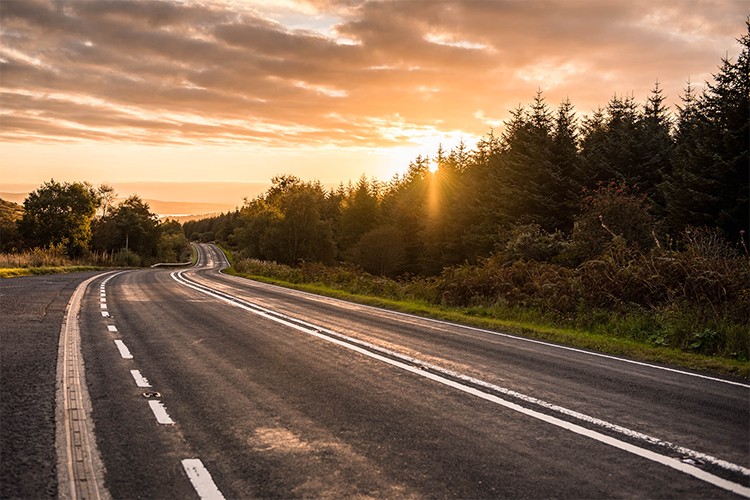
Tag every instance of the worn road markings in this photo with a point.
(80, 472)
(140, 380)
(160, 413)
(124, 351)
(415, 366)
(202, 481)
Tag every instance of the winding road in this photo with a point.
(194, 383)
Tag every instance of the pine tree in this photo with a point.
(565, 186)
(709, 184)
(654, 147)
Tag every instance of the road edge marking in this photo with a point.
(80, 470)
(404, 363)
(496, 333)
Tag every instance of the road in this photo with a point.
(203, 384)
(31, 311)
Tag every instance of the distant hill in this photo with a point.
(187, 218)
(169, 199)
(174, 209)
(9, 210)
(178, 210)
(14, 197)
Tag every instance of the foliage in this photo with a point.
(134, 236)
(10, 214)
(53, 256)
(612, 213)
(381, 251)
(59, 213)
(287, 224)
(59, 227)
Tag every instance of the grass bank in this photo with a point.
(528, 324)
(16, 272)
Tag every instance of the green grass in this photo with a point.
(15, 272)
(482, 318)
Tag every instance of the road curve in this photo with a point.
(208, 385)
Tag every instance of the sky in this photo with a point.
(238, 91)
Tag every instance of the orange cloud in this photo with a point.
(353, 74)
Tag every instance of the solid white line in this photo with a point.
(202, 481)
(673, 463)
(509, 336)
(140, 380)
(597, 436)
(79, 465)
(112, 328)
(124, 351)
(160, 413)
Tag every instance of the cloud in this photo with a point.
(368, 74)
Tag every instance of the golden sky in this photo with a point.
(238, 91)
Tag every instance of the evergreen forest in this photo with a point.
(637, 209)
(630, 222)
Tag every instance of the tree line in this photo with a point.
(552, 186)
(83, 222)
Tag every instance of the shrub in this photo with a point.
(531, 242)
(612, 210)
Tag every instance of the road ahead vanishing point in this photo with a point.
(201, 384)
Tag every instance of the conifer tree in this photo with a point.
(709, 184)
(654, 147)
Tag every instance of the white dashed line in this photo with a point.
(105, 314)
(202, 481)
(103, 306)
(160, 413)
(140, 380)
(112, 328)
(102, 299)
(411, 365)
(124, 351)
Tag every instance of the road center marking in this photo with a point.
(79, 465)
(202, 481)
(414, 366)
(124, 351)
(112, 328)
(160, 413)
(140, 380)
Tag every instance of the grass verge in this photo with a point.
(16, 272)
(601, 343)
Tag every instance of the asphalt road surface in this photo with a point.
(31, 311)
(207, 385)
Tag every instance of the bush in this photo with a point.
(695, 299)
(613, 210)
(531, 242)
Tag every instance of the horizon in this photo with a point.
(237, 92)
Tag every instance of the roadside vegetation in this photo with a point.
(66, 227)
(625, 230)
